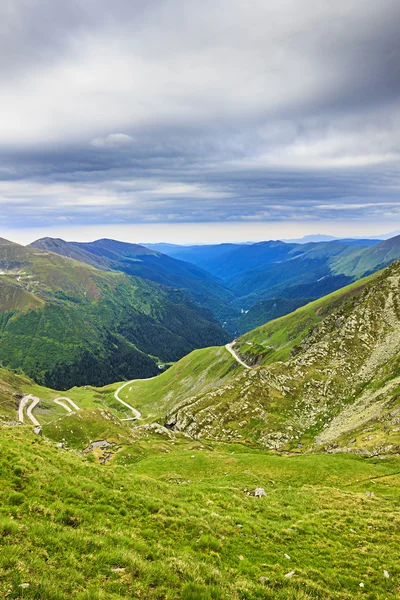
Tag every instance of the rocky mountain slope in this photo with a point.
(65, 323)
(326, 377)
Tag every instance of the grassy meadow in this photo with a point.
(169, 519)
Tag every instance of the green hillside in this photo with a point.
(64, 323)
(107, 507)
(198, 372)
(138, 261)
(327, 377)
(265, 311)
(172, 519)
(368, 260)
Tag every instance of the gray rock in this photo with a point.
(258, 492)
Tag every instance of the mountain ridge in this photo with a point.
(139, 261)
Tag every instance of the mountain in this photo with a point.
(243, 281)
(65, 323)
(278, 274)
(233, 482)
(266, 310)
(331, 238)
(138, 261)
(368, 260)
(325, 377)
(200, 255)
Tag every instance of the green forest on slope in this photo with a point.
(64, 323)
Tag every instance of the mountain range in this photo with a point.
(324, 377)
(66, 323)
(269, 279)
(74, 314)
(139, 261)
(276, 453)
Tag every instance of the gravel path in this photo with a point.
(62, 401)
(230, 349)
(135, 412)
(24, 401)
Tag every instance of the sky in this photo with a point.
(187, 121)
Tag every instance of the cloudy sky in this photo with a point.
(183, 120)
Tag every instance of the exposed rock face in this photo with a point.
(341, 378)
(157, 428)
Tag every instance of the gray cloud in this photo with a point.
(172, 111)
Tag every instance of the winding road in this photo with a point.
(62, 401)
(230, 349)
(136, 413)
(23, 403)
(70, 406)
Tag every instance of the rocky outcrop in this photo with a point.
(342, 376)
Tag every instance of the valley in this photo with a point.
(111, 483)
(244, 285)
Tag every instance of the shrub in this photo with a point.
(209, 542)
(8, 527)
(16, 499)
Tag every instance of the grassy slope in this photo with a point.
(265, 311)
(369, 259)
(275, 340)
(328, 376)
(199, 372)
(71, 528)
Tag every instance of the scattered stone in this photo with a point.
(100, 444)
(24, 585)
(159, 429)
(60, 445)
(240, 557)
(361, 584)
(370, 494)
(290, 574)
(118, 569)
(353, 531)
(37, 430)
(386, 574)
(257, 493)
(287, 556)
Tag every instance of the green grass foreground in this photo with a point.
(173, 522)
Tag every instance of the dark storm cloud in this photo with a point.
(183, 111)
